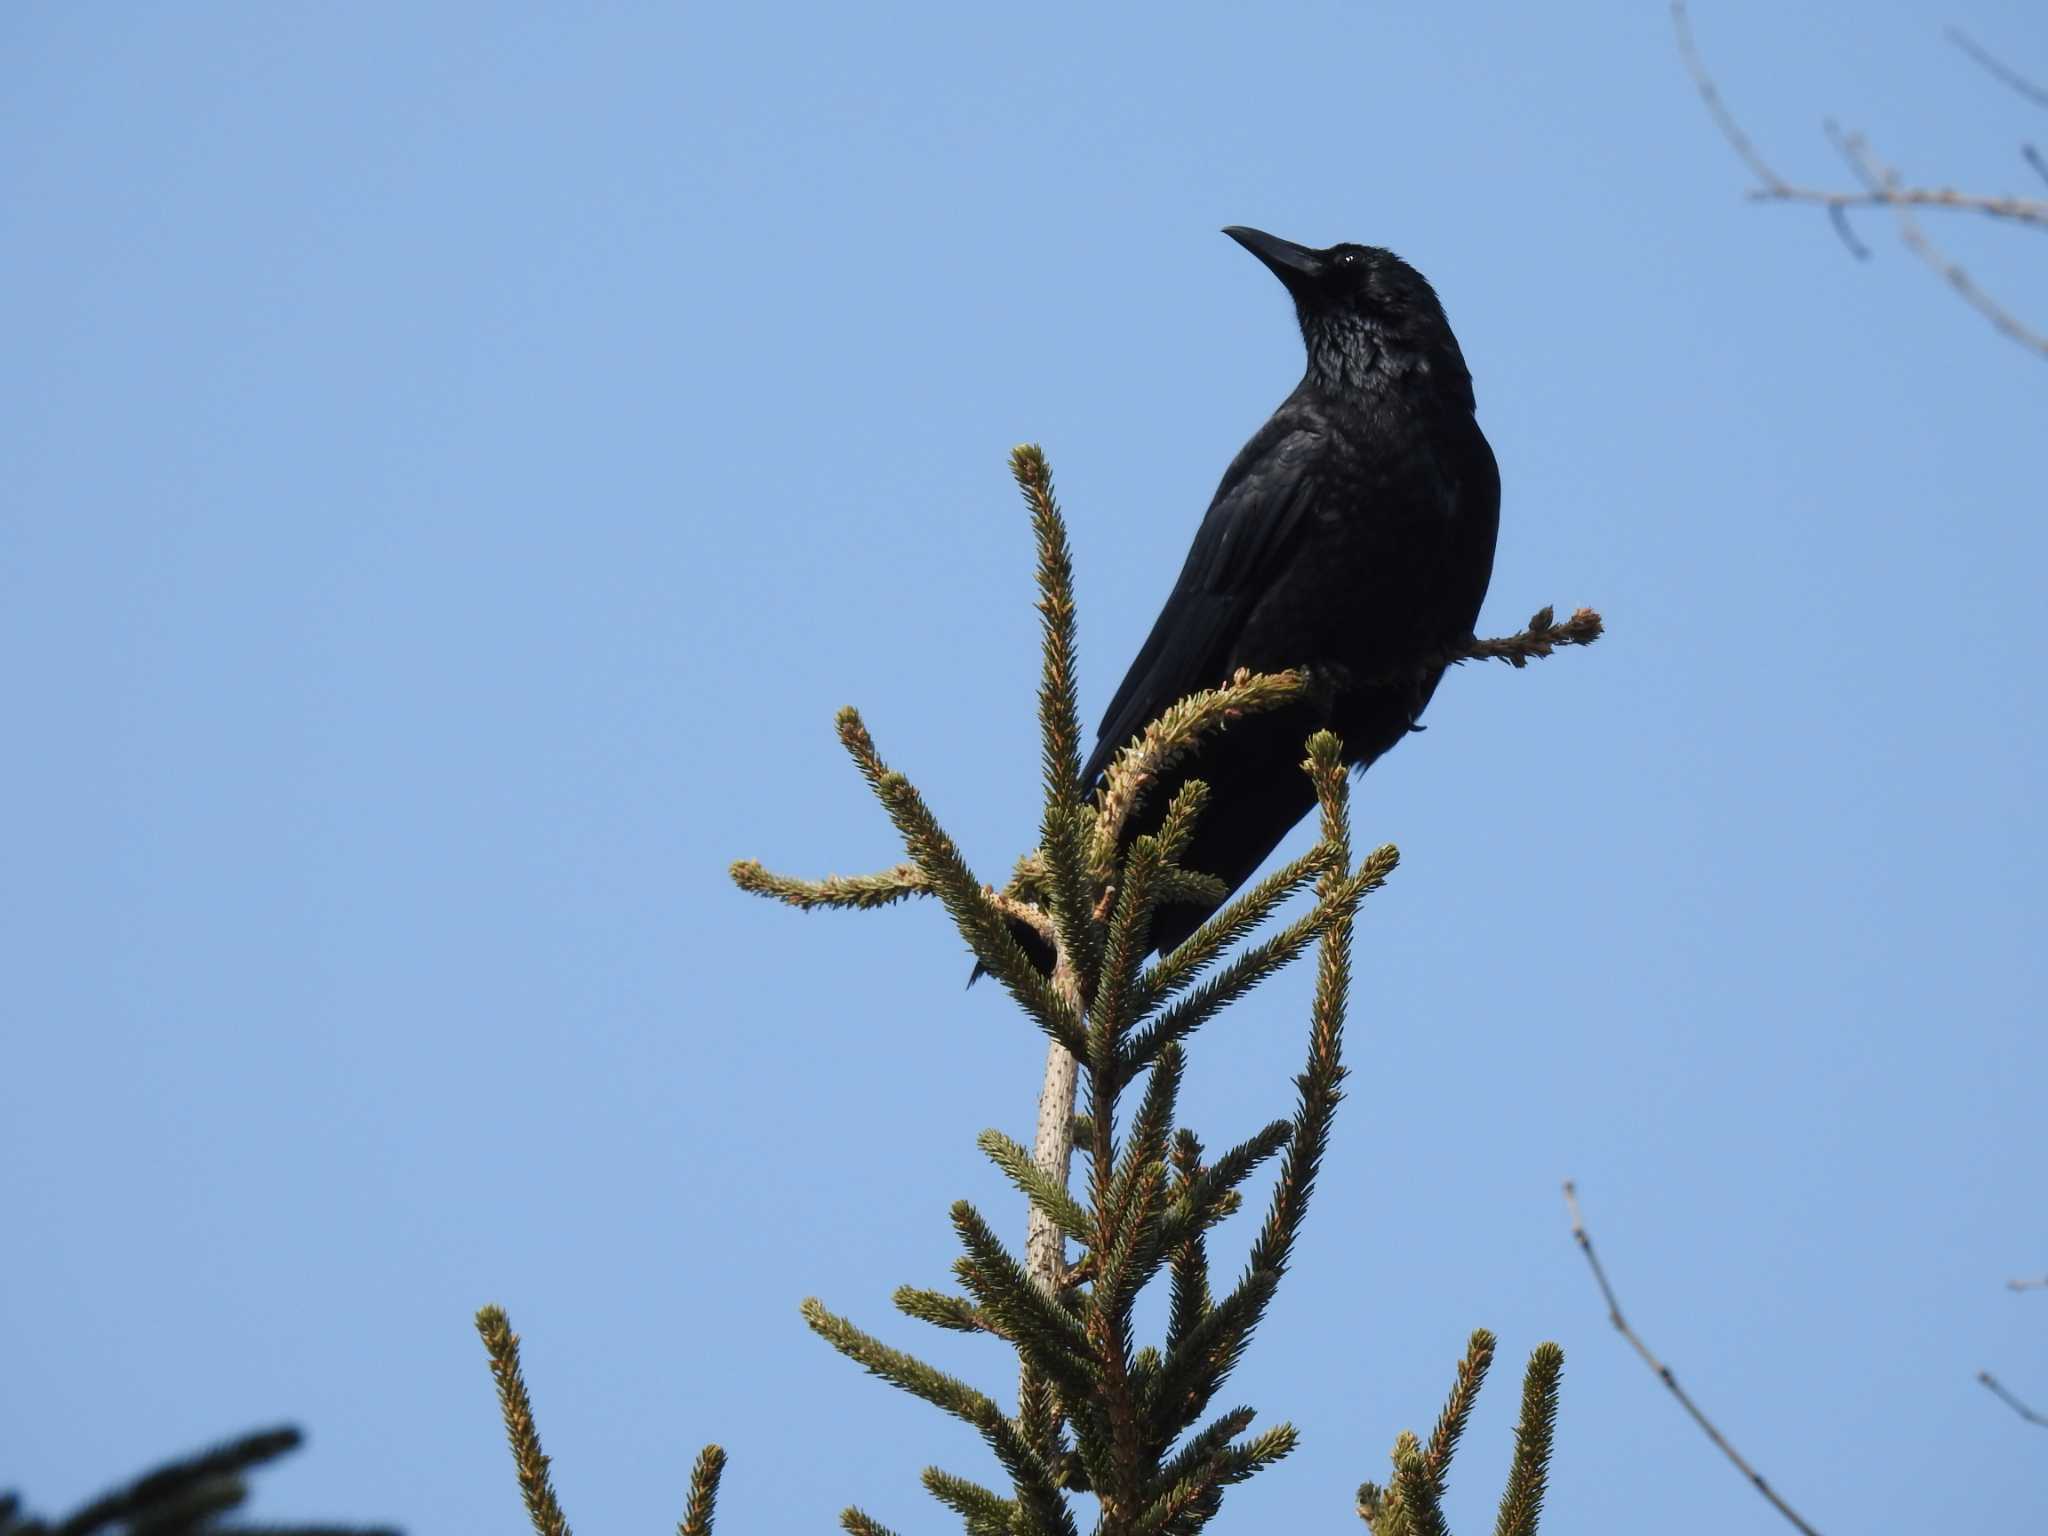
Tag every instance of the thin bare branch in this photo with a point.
(1663, 1371)
(1997, 68)
(1993, 1386)
(1882, 186)
(2038, 1284)
(2014, 210)
(1774, 188)
(1886, 179)
(1710, 93)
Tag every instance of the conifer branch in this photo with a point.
(1250, 967)
(1529, 1477)
(1389, 1516)
(1176, 971)
(1147, 1142)
(1207, 1198)
(1041, 1506)
(1067, 923)
(851, 892)
(1187, 723)
(1130, 934)
(1190, 886)
(1193, 1371)
(1545, 636)
(1663, 1372)
(1189, 1298)
(1420, 1511)
(971, 905)
(191, 1488)
(985, 1512)
(1038, 1187)
(1320, 1083)
(1040, 1423)
(1192, 1488)
(1196, 1459)
(180, 1498)
(1128, 1262)
(1450, 1424)
(857, 1522)
(1032, 916)
(1043, 1331)
(535, 1487)
(860, 746)
(1178, 732)
(1059, 713)
(703, 1503)
(898, 1368)
(1412, 1504)
(955, 1313)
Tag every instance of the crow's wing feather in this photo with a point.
(1251, 528)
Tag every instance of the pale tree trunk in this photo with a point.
(1045, 1247)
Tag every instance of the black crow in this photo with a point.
(1353, 535)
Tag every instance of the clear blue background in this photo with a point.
(456, 458)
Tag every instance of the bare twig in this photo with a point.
(1885, 180)
(2039, 1284)
(1997, 68)
(1774, 188)
(1710, 93)
(1883, 187)
(2013, 210)
(1992, 1385)
(1663, 1371)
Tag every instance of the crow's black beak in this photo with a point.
(1293, 264)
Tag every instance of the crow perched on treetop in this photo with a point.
(1353, 534)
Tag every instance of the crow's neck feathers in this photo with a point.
(1352, 354)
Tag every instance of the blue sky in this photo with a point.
(457, 458)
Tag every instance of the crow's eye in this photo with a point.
(1348, 259)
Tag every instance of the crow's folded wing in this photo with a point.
(1253, 527)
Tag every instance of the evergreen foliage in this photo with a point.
(192, 1496)
(1098, 1413)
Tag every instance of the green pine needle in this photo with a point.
(858, 1523)
(1450, 1424)
(857, 892)
(1529, 1477)
(898, 1368)
(1421, 1512)
(985, 1512)
(703, 1502)
(1039, 1187)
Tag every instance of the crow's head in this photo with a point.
(1367, 317)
